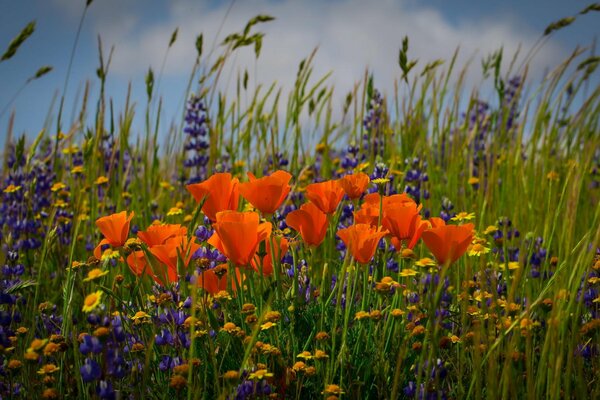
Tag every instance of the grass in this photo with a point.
(519, 320)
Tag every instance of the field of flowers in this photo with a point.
(420, 245)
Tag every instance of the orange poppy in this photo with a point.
(325, 195)
(355, 185)
(137, 263)
(310, 222)
(436, 221)
(369, 211)
(267, 261)
(266, 193)
(221, 192)
(448, 242)
(404, 222)
(158, 234)
(115, 228)
(362, 240)
(169, 252)
(238, 234)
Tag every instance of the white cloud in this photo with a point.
(351, 35)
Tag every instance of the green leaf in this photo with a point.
(199, 43)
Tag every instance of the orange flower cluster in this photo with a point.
(248, 243)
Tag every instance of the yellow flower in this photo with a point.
(332, 389)
(552, 176)
(361, 315)
(166, 185)
(408, 272)
(174, 211)
(260, 374)
(48, 369)
(95, 274)
(473, 180)
(478, 249)
(463, 216)
(37, 344)
(58, 186)
(101, 180)
(70, 150)
(380, 181)
(490, 229)
(109, 254)
(362, 166)
(305, 355)
(267, 325)
(12, 188)
(92, 301)
(512, 265)
(426, 262)
(77, 170)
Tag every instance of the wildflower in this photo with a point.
(178, 382)
(14, 364)
(552, 176)
(157, 234)
(267, 325)
(299, 366)
(325, 195)
(311, 222)
(380, 181)
(397, 313)
(58, 186)
(332, 389)
(115, 228)
(50, 393)
(238, 234)
(490, 229)
(51, 348)
(95, 274)
(231, 375)
(463, 216)
(449, 242)
(101, 180)
(37, 344)
(320, 355)
(478, 249)
(361, 315)
(169, 253)
(230, 327)
(403, 221)
(473, 180)
(214, 280)
(266, 193)
(322, 336)
(373, 202)
(511, 265)
(407, 253)
(140, 317)
(305, 355)
(425, 262)
(219, 192)
(77, 170)
(12, 189)
(92, 301)
(408, 272)
(354, 185)
(266, 267)
(362, 241)
(260, 374)
(48, 369)
(174, 211)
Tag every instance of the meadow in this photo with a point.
(424, 244)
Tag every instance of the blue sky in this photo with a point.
(351, 34)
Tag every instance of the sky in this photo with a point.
(351, 36)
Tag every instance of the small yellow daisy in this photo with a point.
(92, 301)
(94, 274)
